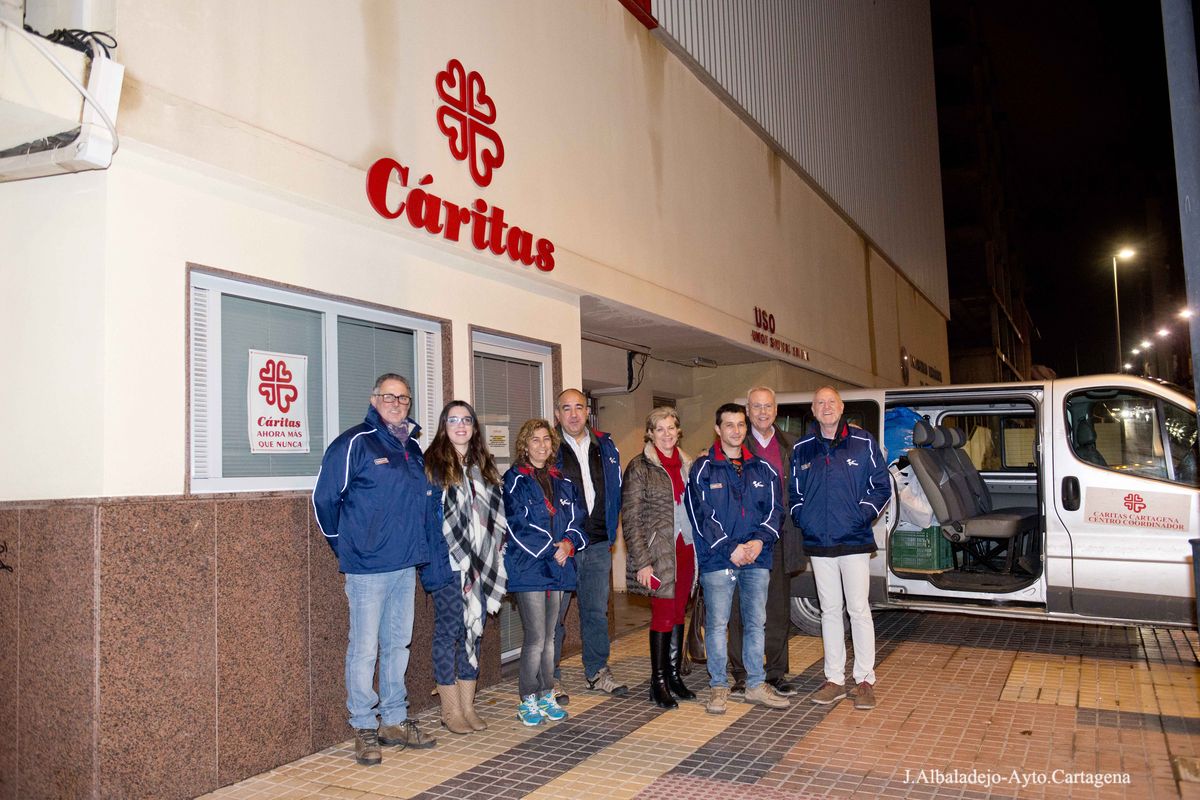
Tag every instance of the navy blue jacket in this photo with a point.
(373, 503)
(727, 509)
(534, 530)
(838, 488)
(610, 460)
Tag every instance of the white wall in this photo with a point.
(52, 279)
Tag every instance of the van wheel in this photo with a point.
(806, 616)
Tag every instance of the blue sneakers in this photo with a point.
(550, 708)
(529, 711)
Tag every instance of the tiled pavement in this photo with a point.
(968, 708)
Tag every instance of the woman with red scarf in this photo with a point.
(660, 561)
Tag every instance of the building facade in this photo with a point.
(501, 199)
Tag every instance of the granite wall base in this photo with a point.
(164, 647)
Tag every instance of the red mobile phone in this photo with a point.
(655, 583)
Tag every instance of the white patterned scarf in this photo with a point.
(475, 530)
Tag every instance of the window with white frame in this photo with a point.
(512, 384)
(334, 351)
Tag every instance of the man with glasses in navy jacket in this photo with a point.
(379, 514)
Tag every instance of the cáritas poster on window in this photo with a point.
(277, 403)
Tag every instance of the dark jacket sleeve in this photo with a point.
(613, 493)
(796, 485)
(769, 505)
(577, 511)
(330, 490)
(713, 545)
(518, 493)
(879, 484)
(437, 572)
(633, 514)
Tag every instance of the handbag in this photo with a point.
(694, 650)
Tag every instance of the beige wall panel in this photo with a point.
(923, 332)
(886, 320)
(52, 281)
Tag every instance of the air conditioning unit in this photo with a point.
(46, 125)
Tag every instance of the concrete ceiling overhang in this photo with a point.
(664, 338)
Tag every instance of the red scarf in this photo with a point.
(674, 467)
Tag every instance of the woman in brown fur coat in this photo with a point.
(661, 561)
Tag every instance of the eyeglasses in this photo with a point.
(390, 398)
(452, 421)
(761, 406)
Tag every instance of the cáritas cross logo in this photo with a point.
(466, 117)
(277, 387)
(1135, 503)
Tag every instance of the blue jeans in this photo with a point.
(381, 623)
(593, 566)
(539, 611)
(751, 584)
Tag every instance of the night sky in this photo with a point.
(1081, 104)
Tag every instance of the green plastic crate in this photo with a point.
(925, 550)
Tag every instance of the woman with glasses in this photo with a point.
(660, 560)
(544, 514)
(473, 526)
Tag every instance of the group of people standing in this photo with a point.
(544, 532)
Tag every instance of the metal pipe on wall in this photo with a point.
(1180, 41)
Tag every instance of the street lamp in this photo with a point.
(1124, 254)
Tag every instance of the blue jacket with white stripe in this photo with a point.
(610, 462)
(728, 509)
(373, 503)
(838, 487)
(536, 526)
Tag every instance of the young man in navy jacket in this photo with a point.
(590, 460)
(839, 485)
(735, 508)
(380, 515)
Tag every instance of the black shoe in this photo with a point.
(675, 663)
(560, 694)
(660, 692)
(738, 689)
(782, 687)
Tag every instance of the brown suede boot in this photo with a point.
(452, 715)
(466, 700)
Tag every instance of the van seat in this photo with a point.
(961, 501)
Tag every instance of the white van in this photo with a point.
(1101, 472)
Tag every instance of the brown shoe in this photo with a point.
(466, 699)
(828, 694)
(452, 715)
(718, 700)
(864, 696)
(764, 695)
(366, 747)
(406, 734)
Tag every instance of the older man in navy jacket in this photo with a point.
(735, 508)
(378, 513)
(839, 485)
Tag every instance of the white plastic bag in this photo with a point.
(915, 510)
